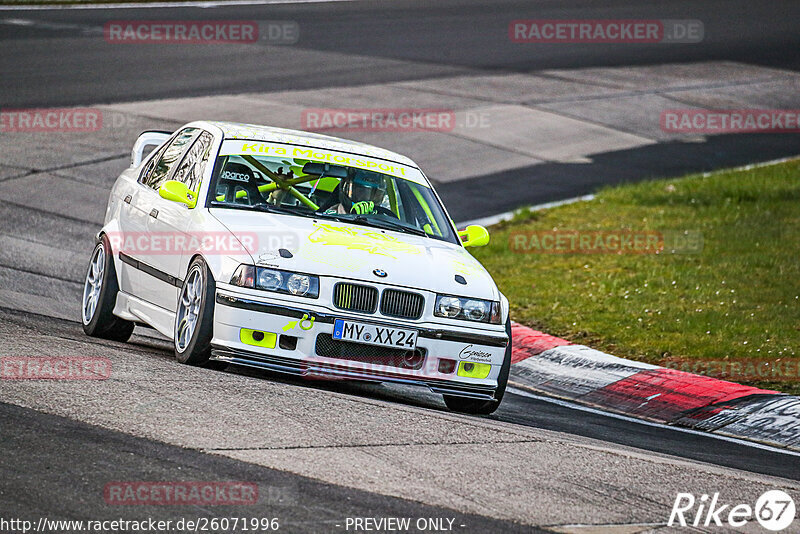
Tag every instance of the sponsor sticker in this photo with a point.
(261, 148)
(235, 176)
(470, 352)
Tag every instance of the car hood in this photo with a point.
(332, 248)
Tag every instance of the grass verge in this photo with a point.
(722, 298)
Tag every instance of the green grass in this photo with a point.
(739, 298)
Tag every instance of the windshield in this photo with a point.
(309, 187)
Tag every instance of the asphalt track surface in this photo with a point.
(56, 467)
(61, 61)
(520, 409)
(92, 457)
(53, 466)
(426, 39)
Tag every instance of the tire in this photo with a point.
(485, 407)
(100, 295)
(195, 303)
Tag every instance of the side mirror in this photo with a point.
(474, 236)
(146, 143)
(177, 192)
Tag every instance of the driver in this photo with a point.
(360, 193)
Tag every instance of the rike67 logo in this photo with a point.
(774, 510)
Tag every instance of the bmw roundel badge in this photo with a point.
(379, 272)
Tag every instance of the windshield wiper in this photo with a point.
(283, 210)
(387, 224)
(268, 208)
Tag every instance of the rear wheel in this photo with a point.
(485, 407)
(194, 320)
(100, 295)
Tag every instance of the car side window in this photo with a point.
(151, 164)
(167, 159)
(193, 165)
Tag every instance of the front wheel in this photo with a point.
(485, 407)
(100, 296)
(194, 320)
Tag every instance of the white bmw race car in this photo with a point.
(298, 253)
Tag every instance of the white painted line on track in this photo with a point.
(598, 528)
(567, 404)
(56, 26)
(494, 219)
(148, 5)
(753, 165)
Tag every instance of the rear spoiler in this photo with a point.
(147, 141)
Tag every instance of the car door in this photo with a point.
(171, 220)
(153, 251)
(132, 224)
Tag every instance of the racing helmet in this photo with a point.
(362, 186)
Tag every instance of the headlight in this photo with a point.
(448, 306)
(301, 285)
(269, 279)
(476, 310)
(298, 284)
(480, 311)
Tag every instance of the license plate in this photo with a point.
(370, 334)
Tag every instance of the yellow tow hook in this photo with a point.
(310, 322)
(302, 322)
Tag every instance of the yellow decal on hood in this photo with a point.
(369, 241)
(462, 267)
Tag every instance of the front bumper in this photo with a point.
(302, 346)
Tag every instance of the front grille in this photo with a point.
(357, 352)
(403, 304)
(353, 297)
